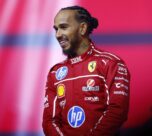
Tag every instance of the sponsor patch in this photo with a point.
(76, 60)
(90, 82)
(105, 61)
(120, 85)
(120, 64)
(76, 116)
(60, 90)
(120, 93)
(90, 88)
(122, 70)
(62, 104)
(121, 78)
(92, 99)
(92, 66)
(61, 73)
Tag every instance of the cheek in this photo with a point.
(74, 33)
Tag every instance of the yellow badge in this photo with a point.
(60, 90)
(92, 66)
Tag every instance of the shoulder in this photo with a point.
(107, 58)
(106, 55)
(57, 66)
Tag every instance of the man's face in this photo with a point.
(67, 31)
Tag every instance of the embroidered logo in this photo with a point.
(76, 116)
(60, 90)
(92, 66)
(61, 73)
(90, 82)
(76, 60)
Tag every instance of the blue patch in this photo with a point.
(61, 73)
(76, 116)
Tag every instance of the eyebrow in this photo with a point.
(60, 25)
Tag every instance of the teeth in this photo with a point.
(62, 42)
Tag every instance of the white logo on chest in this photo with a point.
(76, 60)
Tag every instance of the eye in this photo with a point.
(55, 28)
(64, 26)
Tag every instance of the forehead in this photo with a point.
(65, 16)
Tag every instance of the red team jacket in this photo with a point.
(87, 95)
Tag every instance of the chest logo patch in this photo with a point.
(92, 66)
(60, 90)
(76, 116)
(61, 73)
(90, 86)
(76, 60)
(90, 82)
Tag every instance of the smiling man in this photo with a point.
(88, 93)
(67, 35)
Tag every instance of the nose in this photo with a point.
(58, 34)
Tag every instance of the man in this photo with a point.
(87, 94)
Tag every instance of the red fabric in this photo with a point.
(101, 89)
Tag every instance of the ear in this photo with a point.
(83, 28)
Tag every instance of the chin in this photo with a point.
(66, 52)
(69, 52)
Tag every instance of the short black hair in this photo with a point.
(84, 16)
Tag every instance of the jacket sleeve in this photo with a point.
(51, 115)
(117, 88)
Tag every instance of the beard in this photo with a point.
(71, 52)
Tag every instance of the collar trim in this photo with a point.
(80, 58)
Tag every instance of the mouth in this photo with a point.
(63, 43)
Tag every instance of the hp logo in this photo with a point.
(76, 116)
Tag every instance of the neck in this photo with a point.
(83, 47)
